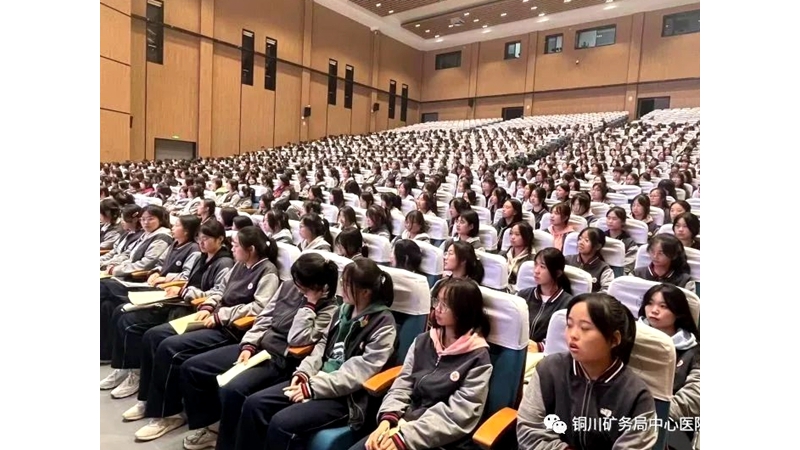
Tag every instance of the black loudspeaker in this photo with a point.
(376, 107)
(307, 111)
(471, 102)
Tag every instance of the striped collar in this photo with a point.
(655, 277)
(537, 293)
(591, 262)
(609, 374)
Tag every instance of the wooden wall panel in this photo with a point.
(337, 37)
(359, 121)
(413, 113)
(671, 57)
(682, 94)
(120, 5)
(497, 75)
(579, 101)
(115, 86)
(115, 35)
(257, 112)
(226, 101)
(339, 117)
(448, 110)
(114, 136)
(318, 122)
(382, 115)
(183, 14)
(486, 108)
(446, 83)
(288, 108)
(281, 20)
(138, 90)
(401, 63)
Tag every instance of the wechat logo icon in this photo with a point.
(553, 423)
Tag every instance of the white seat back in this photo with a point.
(658, 216)
(556, 340)
(380, 249)
(613, 252)
(488, 236)
(666, 229)
(628, 190)
(635, 228)
(295, 227)
(432, 258)
(484, 216)
(495, 269)
(437, 227)
(693, 258)
(653, 359)
(617, 199)
(406, 206)
(330, 213)
(570, 244)
(630, 290)
(542, 240)
(287, 255)
(412, 295)
(508, 309)
(341, 263)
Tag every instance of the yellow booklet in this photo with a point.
(254, 360)
(104, 274)
(148, 297)
(186, 324)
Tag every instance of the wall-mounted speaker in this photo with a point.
(307, 111)
(376, 107)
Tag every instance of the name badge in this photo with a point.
(250, 286)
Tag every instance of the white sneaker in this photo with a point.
(128, 387)
(114, 379)
(135, 412)
(201, 439)
(159, 427)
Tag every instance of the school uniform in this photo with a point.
(319, 243)
(121, 250)
(382, 231)
(145, 252)
(515, 262)
(246, 292)
(538, 216)
(559, 237)
(631, 249)
(130, 327)
(422, 237)
(541, 309)
(601, 272)
(285, 236)
(190, 208)
(287, 320)
(230, 199)
(439, 396)
(683, 280)
(686, 388)
(560, 386)
(109, 234)
(353, 350)
(474, 241)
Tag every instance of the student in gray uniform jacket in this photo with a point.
(315, 233)
(553, 292)
(129, 236)
(326, 389)
(589, 259)
(276, 225)
(591, 381)
(669, 264)
(437, 400)
(299, 314)
(247, 289)
(467, 227)
(110, 228)
(615, 221)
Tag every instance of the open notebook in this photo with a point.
(148, 297)
(104, 274)
(254, 360)
(186, 324)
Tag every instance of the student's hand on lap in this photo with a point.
(210, 322)
(387, 443)
(243, 357)
(294, 393)
(296, 380)
(172, 291)
(378, 435)
(202, 315)
(151, 280)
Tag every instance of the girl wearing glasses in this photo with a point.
(438, 398)
(668, 263)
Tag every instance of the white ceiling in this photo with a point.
(391, 25)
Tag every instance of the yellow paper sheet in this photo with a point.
(104, 274)
(147, 297)
(254, 360)
(187, 323)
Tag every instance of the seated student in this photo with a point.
(240, 222)
(276, 226)
(337, 198)
(615, 221)
(512, 213)
(406, 255)
(391, 202)
(207, 210)
(194, 197)
(589, 259)
(404, 191)
(110, 228)
(245, 198)
(315, 234)
(593, 376)
(560, 226)
(521, 249)
(471, 197)
(264, 204)
(327, 385)
(462, 262)
(599, 193)
(310, 206)
(350, 244)
(552, 292)
(131, 232)
(668, 264)
(284, 205)
(226, 215)
(666, 309)
(248, 286)
(467, 230)
(686, 227)
(416, 229)
(679, 207)
(230, 198)
(538, 207)
(365, 200)
(377, 223)
(658, 199)
(457, 206)
(582, 206)
(426, 204)
(298, 314)
(640, 210)
(438, 399)
(347, 218)
(207, 271)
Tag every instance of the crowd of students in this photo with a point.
(211, 230)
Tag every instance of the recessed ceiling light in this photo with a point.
(567, 1)
(609, 1)
(544, 19)
(391, 11)
(503, 15)
(436, 36)
(427, 31)
(485, 25)
(378, 5)
(525, 1)
(416, 26)
(534, 8)
(450, 26)
(610, 7)
(476, 20)
(466, 14)
(488, 30)
(440, 40)
(541, 14)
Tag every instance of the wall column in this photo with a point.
(115, 80)
(305, 78)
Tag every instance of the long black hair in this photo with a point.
(610, 316)
(555, 262)
(364, 273)
(465, 301)
(313, 271)
(677, 303)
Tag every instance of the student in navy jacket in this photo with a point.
(591, 381)
(326, 389)
(247, 289)
(437, 400)
(589, 259)
(668, 263)
(665, 308)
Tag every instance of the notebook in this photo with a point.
(132, 285)
(147, 297)
(104, 274)
(254, 360)
(186, 324)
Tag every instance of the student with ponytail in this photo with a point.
(552, 292)
(326, 389)
(315, 233)
(461, 261)
(350, 244)
(592, 377)
(298, 314)
(246, 291)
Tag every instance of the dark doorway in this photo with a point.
(430, 117)
(175, 149)
(650, 104)
(512, 112)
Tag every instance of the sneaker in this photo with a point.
(135, 412)
(200, 439)
(128, 387)
(114, 379)
(159, 427)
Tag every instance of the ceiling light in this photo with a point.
(610, 7)
(476, 20)
(541, 14)
(525, 1)
(416, 26)
(427, 31)
(436, 36)
(543, 19)
(466, 14)
(567, 1)
(485, 25)
(488, 30)
(503, 15)
(440, 40)
(391, 11)
(609, 1)
(450, 26)
(534, 8)
(378, 5)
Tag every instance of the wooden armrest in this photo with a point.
(494, 428)
(300, 352)
(140, 275)
(248, 210)
(103, 252)
(178, 283)
(198, 301)
(381, 382)
(244, 323)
